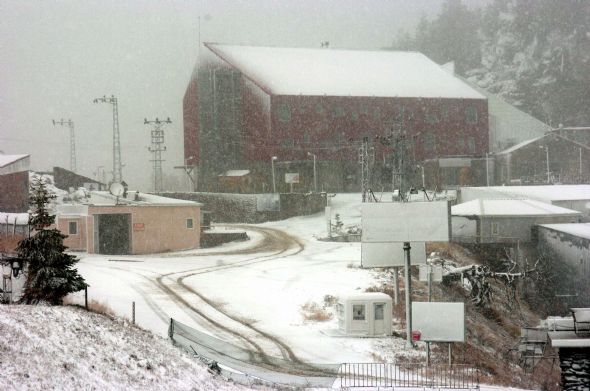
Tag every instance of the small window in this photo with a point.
(338, 112)
(73, 228)
(358, 312)
(379, 311)
(189, 223)
(429, 141)
(495, 229)
(431, 117)
(471, 144)
(288, 143)
(284, 112)
(471, 115)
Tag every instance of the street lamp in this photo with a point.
(315, 179)
(272, 164)
(546, 148)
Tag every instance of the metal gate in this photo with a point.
(456, 376)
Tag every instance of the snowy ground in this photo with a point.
(250, 287)
(269, 292)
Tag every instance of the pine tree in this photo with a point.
(50, 271)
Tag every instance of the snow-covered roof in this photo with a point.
(235, 173)
(366, 296)
(581, 230)
(547, 193)
(5, 160)
(533, 140)
(508, 208)
(334, 72)
(104, 198)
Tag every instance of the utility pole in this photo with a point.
(117, 166)
(157, 148)
(70, 124)
(364, 161)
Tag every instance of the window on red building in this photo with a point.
(471, 115)
(284, 112)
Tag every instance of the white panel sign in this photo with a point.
(292, 177)
(426, 221)
(436, 273)
(391, 254)
(439, 322)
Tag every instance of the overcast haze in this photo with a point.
(58, 56)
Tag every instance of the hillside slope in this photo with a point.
(68, 348)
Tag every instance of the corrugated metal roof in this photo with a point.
(508, 208)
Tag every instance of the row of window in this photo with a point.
(73, 226)
(283, 112)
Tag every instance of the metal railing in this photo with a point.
(455, 376)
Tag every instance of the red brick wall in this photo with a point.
(14, 192)
(318, 123)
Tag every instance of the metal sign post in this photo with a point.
(409, 343)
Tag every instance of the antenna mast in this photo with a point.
(117, 166)
(70, 124)
(157, 148)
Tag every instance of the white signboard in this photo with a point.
(292, 177)
(426, 221)
(439, 322)
(436, 273)
(391, 254)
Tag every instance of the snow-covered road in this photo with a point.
(248, 293)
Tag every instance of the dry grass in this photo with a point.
(314, 312)
(96, 306)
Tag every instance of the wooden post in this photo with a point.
(450, 350)
(396, 285)
(86, 298)
(133, 312)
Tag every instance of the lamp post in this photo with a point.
(272, 164)
(315, 179)
(546, 148)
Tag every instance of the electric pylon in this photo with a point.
(70, 124)
(157, 148)
(117, 166)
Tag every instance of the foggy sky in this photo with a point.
(57, 56)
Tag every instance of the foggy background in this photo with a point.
(58, 56)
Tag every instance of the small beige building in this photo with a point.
(138, 223)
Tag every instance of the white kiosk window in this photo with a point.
(358, 312)
(379, 311)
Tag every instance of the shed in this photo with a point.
(132, 224)
(365, 314)
(504, 221)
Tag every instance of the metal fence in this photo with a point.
(248, 366)
(455, 376)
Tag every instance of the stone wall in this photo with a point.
(241, 208)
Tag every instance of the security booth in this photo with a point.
(366, 314)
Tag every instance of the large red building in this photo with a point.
(246, 104)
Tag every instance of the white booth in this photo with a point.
(365, 314)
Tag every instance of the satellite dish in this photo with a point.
(116, 189)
